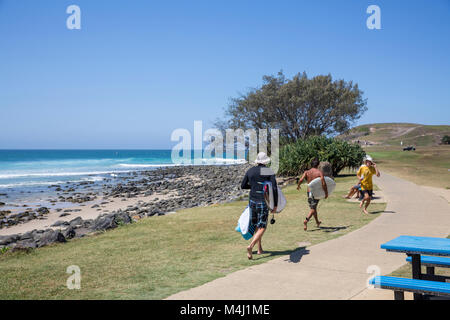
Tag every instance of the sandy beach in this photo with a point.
(85, 211)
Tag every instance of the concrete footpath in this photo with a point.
(338, 269)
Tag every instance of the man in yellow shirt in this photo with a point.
(365, 173)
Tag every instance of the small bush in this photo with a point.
(296, 157)
(365, 130)
(4, 250)
(445, 139)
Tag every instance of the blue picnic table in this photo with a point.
(419, 245)
(414, 247)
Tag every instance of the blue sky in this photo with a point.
(139, 69)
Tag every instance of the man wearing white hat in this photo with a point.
(365, 174)
(254, 180)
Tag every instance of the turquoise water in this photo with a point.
(25, 169)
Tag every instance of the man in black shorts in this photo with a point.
(310, 175)
(254, 180)
(313, 202)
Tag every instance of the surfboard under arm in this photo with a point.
(315, 187)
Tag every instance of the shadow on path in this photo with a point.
(329, 229)
(297, 255)
(376, 212)
(294, 255)
(333, 229)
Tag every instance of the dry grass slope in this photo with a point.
(392, 134)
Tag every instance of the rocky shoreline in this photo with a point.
(170, 189)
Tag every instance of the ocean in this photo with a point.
(29, 171)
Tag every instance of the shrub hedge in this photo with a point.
(296, 157)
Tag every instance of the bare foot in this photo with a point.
(249, 253)
(305, 224)
(346, 197)
(261, 251)
(361, 204)
(365, 211)
(318, 224)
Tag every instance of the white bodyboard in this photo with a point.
(316, 187)
(244, 221)
(244, 226)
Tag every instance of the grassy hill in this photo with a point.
(392, 134)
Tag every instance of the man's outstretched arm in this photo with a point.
(301, 180)
(376, 170)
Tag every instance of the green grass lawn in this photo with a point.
(425, 166)
(160, 256)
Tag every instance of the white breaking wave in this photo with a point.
(203, 161)
(55, 174)
(223, 161)
(129, 165)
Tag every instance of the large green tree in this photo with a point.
(298, 107)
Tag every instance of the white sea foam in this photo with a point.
(130, 165)
(219, 161)
(113, 172)
(203, 161)
(54, 174)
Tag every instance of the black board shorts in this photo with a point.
(312, 202)
(370, 192)
(260, 213)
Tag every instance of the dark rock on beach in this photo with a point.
(5, 240)
(8, 219)
(43, 210)
(48, 237)
(23, 245)
(60, 223)
(78, 221)
(32, 239)
(69, 233)
(104, 223)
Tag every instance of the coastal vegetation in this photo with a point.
(296, 157)
(299, 107)
(445, 139)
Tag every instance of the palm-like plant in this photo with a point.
(296, 157)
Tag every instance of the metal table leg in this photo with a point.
(416, 272)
